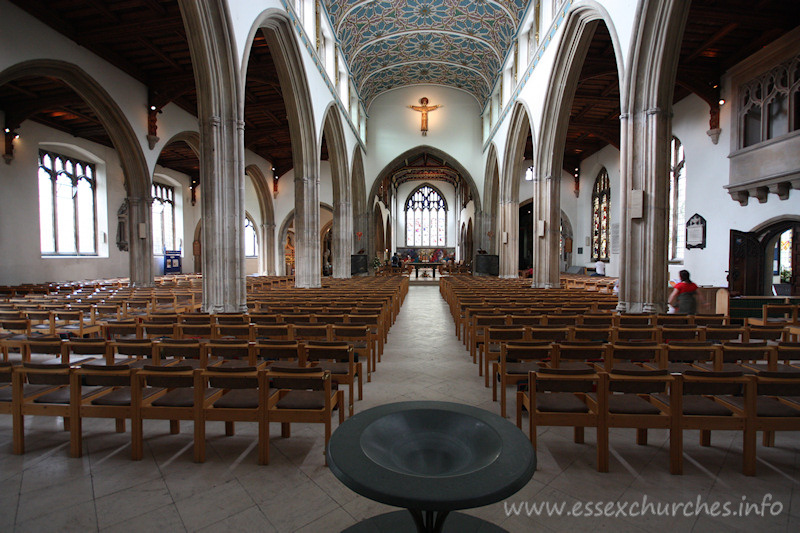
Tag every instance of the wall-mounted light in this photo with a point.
(721, 101)
(529, 173)
(7, 130)
(152, 108)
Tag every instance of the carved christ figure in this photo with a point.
(424, 108)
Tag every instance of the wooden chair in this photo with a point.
(303, 395)
(477, 336)
(53, 399)
(631, 402)
(15, 331)
(678, 357)
(765, 333)
(361, 339)
(186, 352)
(284, 352)
(244, 398)
(636, 333)
(594, 333)
(114, 401)
(139, 349)
(272, 332)
(180, 388)
(338, 358)
(694, 404)
(119, 329)
(579, 354)
(710, 320)
(43, 348)
(311, 332)
(189, 330)
(85, 349)
(562, 397)
(517, 359)
(494, 338)
(239, 350)
(375, 327)
(233, 331)
(6, 388)
(634, 319)
(747, 356)
(156, 330)
(42, 321)
(724, 333)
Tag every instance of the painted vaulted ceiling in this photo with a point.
(394, 43)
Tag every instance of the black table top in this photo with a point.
(431, 456)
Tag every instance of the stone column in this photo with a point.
(342, 243)
(508, 251)
(140, 240)
(644, 188)
(307, 257)
(222, 182)
(268, 253)
(546, 213)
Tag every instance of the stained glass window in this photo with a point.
(601, 202)
(426, 218)
(677, 201)
(67, 211)
(163, 213)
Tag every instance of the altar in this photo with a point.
(425, 264)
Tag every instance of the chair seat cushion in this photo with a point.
(697, 405)
(61, 395)
(27, 391)
(302, 399)
(335, 368)
(630, 404)
(183, 397)
(121, 397)
(766, 407)
(521, 368)
(560, 402)
(239, 399)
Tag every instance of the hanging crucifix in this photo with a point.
(424, 108)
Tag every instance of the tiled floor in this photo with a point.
(45, 490)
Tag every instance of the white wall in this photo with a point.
(393, 129)
(707, 171)
(20, 247)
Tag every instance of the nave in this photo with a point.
(423, 360)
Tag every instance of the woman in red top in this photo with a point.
(685, 295)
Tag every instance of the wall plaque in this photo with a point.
(696, 232)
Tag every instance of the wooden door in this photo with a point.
(745, 264)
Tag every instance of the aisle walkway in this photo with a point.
(45, 490)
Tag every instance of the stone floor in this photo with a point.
(45, 490)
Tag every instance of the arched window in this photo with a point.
(601, 201)
(163, 214)
(677, 201)
(426, 218)
(67, 205)
(250, 238)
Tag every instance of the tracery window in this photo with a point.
(426, 217)
(250, 238)
(770, 104)
(601, 201)
(677, 201)
(163, 214)
(67, 205)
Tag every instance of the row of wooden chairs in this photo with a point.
(517, 358)
(487, 339)
(228, 393)
(649, 398)
(343, 358)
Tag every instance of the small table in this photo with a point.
(431, 458)
(426, 264)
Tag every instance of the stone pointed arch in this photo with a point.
(285, 52)
(394, 163)
(491, 195)
(266, 232)
(644, 156)
(359, 199)
(513, 169)
(216, 66)
(579, 30)
(342, 236)
(125, 142)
